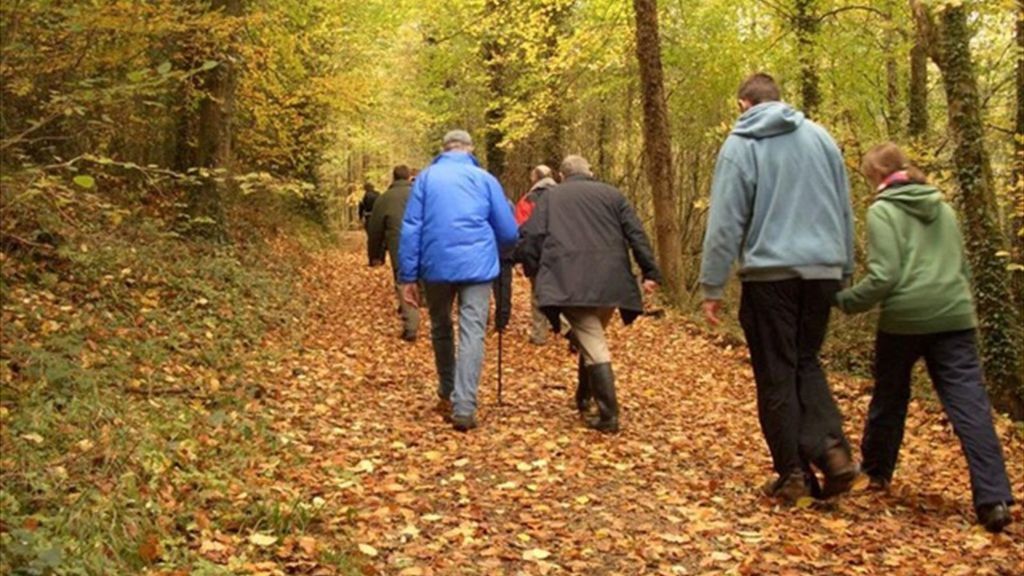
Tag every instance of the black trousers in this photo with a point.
(785, 324)
(503, 296)
(955, 371)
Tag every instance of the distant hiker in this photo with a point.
(541, 179)
(366, 204)
(917, 272)
(383, 231)
(576, 247)
(455, 222)
(780, 203)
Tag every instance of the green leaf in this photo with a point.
(137, 76)
(209, 65)
(164, 68)
(51, 557)
(85, 181)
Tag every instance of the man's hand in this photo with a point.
(411, 294)
(650, 286)
(711, 310)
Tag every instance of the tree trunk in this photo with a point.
(806, 23)
(206, 139)
(917, 126)
(1017, 224)
(603, 138)
(999, 317)
(894, 101)
(657, 145)
(494, 61)
(553, 127)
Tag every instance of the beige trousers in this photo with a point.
(588, 325)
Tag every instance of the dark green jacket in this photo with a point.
(917, 269)
(386, 222)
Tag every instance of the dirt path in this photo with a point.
(533, 492)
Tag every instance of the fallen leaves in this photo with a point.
(532, 492)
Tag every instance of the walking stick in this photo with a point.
(501, 332)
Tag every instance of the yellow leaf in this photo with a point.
(368, 550)
(262, 540)
(33, 437)
(535, 555)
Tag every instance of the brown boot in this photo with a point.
(444, 409)
(789, 488)
(839, 469)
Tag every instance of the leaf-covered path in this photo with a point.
(533, 492)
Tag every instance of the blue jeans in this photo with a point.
(458, 379)
(955, 370)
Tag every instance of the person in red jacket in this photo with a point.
(541, 179)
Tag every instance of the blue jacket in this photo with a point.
(780, 202)
(455, 221)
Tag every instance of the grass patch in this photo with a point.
(132, 417)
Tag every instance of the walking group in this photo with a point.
(780, 209)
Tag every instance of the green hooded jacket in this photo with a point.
(917, 269)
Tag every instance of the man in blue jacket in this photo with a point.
(780, 203)
(456, 220)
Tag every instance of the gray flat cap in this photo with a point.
(460, 136)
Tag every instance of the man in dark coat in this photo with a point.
(383, 231)
(370, 196)
(576, 246)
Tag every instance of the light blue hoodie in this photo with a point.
(780, 202)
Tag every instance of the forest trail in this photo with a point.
(531, 491)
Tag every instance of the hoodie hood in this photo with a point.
(919, 200)
(768, 119)
(546, 182)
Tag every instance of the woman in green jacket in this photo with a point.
(917, 273)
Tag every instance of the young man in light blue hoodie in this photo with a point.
(780, 204)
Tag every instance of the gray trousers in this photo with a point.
(458, 375)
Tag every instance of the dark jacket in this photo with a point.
(576, 246)
(385, 223)
(366, 204)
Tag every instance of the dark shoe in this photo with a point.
(878, 484)
(789, 488)
(602, 387)
(408, 336)
(994, 517)
(444, 409)
(464, 423)
(839, 469)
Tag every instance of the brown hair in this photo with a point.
(401, 172)
(758, 88)
(886, 158)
